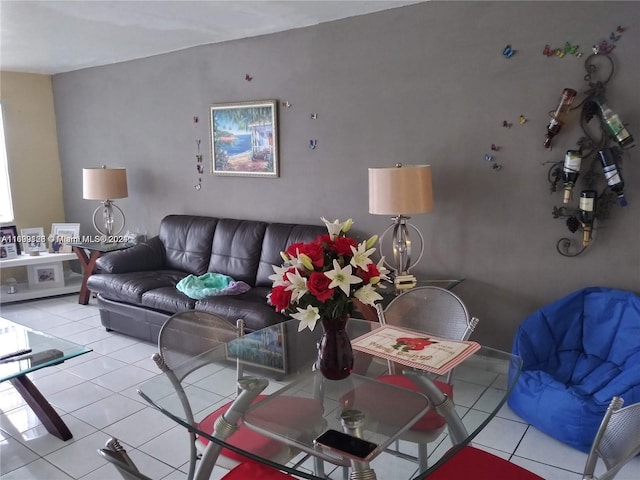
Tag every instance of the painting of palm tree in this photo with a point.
(244, 138)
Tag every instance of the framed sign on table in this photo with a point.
(244, 138)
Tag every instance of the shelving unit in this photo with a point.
(72, 282)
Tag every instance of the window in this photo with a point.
(6, 205)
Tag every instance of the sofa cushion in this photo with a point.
(252, 307)
(187, 242)
(129, 287)
(277, 238)
(167, 299)
(236, 249)
(149, 255)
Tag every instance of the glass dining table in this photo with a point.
(363, 406)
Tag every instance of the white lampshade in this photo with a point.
(104, 183)
(400, 190)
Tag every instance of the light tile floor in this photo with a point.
(96, 396)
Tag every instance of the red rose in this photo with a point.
(292, 250)
(315, 252)
(326, 238)
(342, 245)
(367, 275)
(318, 285)
(280, 298)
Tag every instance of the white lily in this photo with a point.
(342, 277)
(383, 270)
(367, 295)
(298, 285)
(278, 278)
(336, 227)
(361, 255)
(308, 317)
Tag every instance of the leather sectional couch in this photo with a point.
(136, 287)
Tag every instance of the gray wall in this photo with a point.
(421, 84)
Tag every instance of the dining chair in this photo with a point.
(438, 312)
(250, 387)
(616, 442)
(182, 340)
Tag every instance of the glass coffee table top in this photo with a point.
(39, 350)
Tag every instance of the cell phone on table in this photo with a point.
(345, 444)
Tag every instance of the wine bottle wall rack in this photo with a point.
(598, 65)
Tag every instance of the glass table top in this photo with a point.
(299, 403)
(39, 350)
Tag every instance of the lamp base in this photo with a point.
(402, 282)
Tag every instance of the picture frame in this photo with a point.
(33, 240)
(9, 235)
(265, 351)
(45, 275)
(244, 139)
(63, 235)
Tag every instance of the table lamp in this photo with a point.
(401, 191)
(105, 184)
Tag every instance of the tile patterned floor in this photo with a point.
(96, 396)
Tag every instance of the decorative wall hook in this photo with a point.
(495, 147)
(195, 119)
(286, 104)
(248, 77)
(496, 166)
(522, 119)
(506, 124)
(314, 116)
(488, 158)
(313, 144)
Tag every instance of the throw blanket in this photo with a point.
(209, 285)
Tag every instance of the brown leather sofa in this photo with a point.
(136, 287)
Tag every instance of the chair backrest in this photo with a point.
(617, 440)
(116, 455)
(431, 309)
(186, 335)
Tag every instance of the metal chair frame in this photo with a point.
(616, 442)
(183, 337)
(438, 312)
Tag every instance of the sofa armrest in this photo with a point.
(146, 256)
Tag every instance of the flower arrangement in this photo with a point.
(321, 279)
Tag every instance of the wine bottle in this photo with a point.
(570, 172)
(558, 118)
(612, 173)
(587, 214)
(613, 125)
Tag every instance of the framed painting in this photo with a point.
(63, 235)
(264, 349)
(33, 240)
(9, 236)
(244, 138)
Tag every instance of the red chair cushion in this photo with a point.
(255, 471)
(290, 410)
(471, 462)
(430, 420)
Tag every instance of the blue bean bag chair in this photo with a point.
(577, 354)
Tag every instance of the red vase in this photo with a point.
(335, 356)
